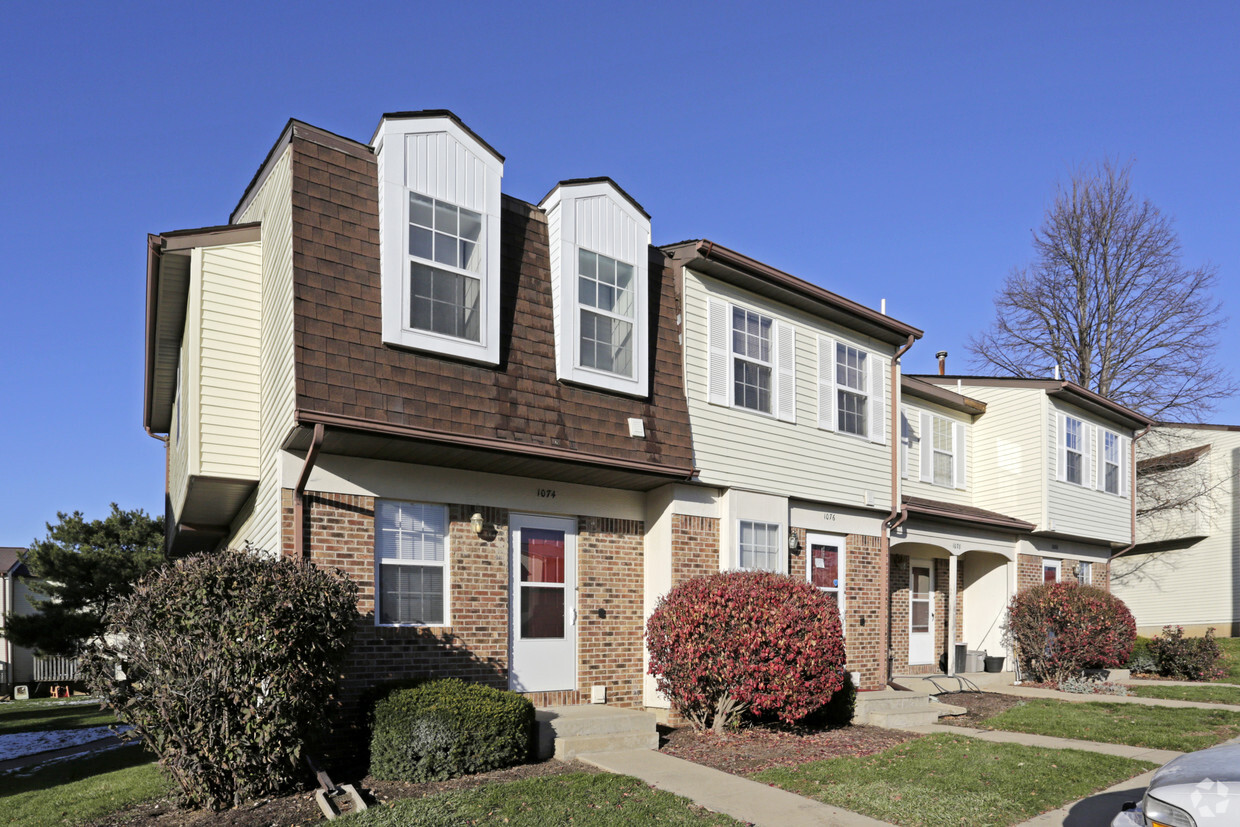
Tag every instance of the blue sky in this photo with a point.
(883, 150)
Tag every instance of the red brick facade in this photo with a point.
(900, 613)
(1029, 572)
(340, 533)
(695, 547)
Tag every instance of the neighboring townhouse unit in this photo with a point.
(1007, 483)
(1184, 569)
(466, 401)
(791, 393)
(16, 662)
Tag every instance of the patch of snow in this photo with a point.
(19, 744)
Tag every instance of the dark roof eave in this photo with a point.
(309, 417)
(1059, 388)
(950, 399)
(846, 311)
(436, 113)
(974, 516)
(601, 179)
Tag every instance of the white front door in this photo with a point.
(920, 611)
(825, 561)
(543, 603)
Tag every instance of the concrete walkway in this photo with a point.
(1158, 756)
(725, 793)
(1074, 697)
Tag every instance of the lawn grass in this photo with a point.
(44, 715)
(580, 799)
(1231, 659)
(81, 789)
(1156, 727)
(1205, 694)
(952, 779)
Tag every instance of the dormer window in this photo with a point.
(600, 240)
(439, 201)
(605, 298)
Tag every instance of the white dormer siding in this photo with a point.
(773, 443)
(600, 293)
(439, 237)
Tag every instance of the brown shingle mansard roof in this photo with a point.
(347, 377)
(953, 512)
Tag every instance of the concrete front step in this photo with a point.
(963, 682)
(565, 732)
(898, 709)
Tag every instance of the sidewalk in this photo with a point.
(1074, 697)
(728, 794)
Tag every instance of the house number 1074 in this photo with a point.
(547, 493)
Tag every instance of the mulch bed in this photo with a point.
(758, 748)
(300, 808)
(981, 705)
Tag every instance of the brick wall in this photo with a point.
(900, 613)
(340, 533)
(863, 607)
(695, 547)
(1029, 572)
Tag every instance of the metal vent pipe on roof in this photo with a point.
(942, 357)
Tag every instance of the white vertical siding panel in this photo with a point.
(273, 207)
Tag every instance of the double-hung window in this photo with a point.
(1110, 462)
(605, 292)
(1073, 450)
(758, 546)
(942, 449)
(411, 553)
(753, 365)
(942, 454)
(445, 267)
(851, 391)
(1084, 573)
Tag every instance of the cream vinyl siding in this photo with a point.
(273, 207)
(1082, 510)
(1008, 466)
(1198, 584)
(913, 486)
(229, 363)
(179, 437)
(746, 449)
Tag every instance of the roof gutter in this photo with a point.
(154, 246)
(1132, 489)
(299, 498)
(884, 562)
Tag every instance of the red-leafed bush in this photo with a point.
(1060, 629)
(1186, 658)
(746, 641)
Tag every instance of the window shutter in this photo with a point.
(719, 373)
(1061, 448)
(926, 437)
(960, 455)
(785, 369)
(1087, 455)
(878, 398)
(906, 440)
(826, 383)
(1125, 451)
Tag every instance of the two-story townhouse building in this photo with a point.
(466, 401)
(792, 393)
(1008, 483)
(1184, 569)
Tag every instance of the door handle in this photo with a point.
(574, 615)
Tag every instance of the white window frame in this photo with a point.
(1105, 438)
(630, 320)
(722, 359)
(1052, 564)
(434, 264)
(778, 550)
(840, 591)
(875, 375)
(738, 357)
(1082, 450)
(1085, 572)
(842, 351)
(927, 422)
(436, 157)
(596, 216)
(444, 564)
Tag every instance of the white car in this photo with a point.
(1198, 789)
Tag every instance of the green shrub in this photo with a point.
(1186, 658)
(225, 666)
(447, 728)
(1141, 661)
(1060, 629)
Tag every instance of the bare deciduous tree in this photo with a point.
(1108, 301)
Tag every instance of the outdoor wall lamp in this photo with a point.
(478, 524)
(794, 542)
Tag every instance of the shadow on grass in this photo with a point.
(45, 717)
(68, 770)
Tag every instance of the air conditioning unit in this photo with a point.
(21, 693)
